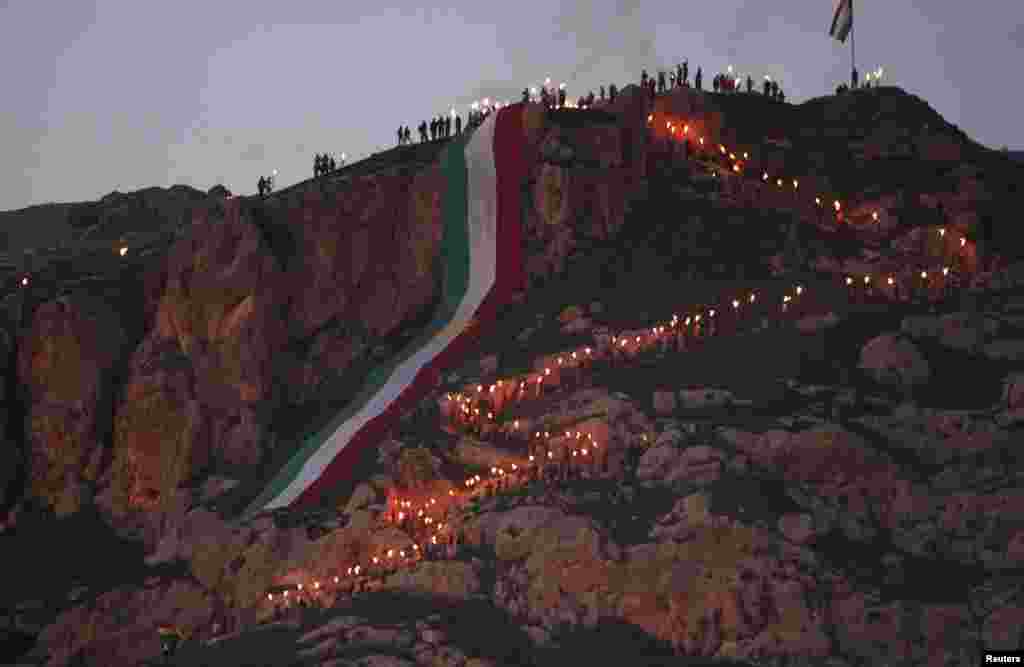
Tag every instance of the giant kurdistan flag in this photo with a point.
(482, 262)
(842, 21)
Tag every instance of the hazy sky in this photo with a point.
(117, 94)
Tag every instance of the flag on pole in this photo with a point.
(842, 21)
(483, 267)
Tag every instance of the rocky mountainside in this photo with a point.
(845, 496)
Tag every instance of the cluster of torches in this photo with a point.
(486, 104)
(427, 522)
(680, 130)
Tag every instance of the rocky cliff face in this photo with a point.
(264, 304)
(136, 389)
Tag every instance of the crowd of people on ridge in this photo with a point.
(855, 76)
(265, 185)
(441, 127)
(325, 164)
(438, 128)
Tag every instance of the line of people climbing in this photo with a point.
(438, 128)
(265, 185)
(325, 164)
(680, 78)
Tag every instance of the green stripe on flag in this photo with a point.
(456, 265)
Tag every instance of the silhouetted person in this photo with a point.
(612, 92)
(458, 125)
(853, 78)
(767, 87)
(775, 88)
(651, 88)
(334, 165)
(400, 136)
(423, 132)
(526, 95)
(602, 93)
(715, 82)
(316, 166)
(679, 75)
(661, 81)
(261, 185)
(686, 72)
(433, 129)
(750, 85)
(448, 126)
(698, 80)
(782, 96)
(643, 79)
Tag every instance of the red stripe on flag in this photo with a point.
(510, 147)
(510, 168)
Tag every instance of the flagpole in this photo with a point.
(853, 48)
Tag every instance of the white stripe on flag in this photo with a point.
(481, 193)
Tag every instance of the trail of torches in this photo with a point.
(679, 131)
(477, 410)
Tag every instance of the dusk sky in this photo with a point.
(116, 94)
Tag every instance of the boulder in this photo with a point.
(577, 326)
(363, 496)
(66, 361)
(815, 323)
(119, 627)
(471, 451)
(1005, 350)
(216, 486)
(489, 365)
(449, 579)
(704, 398)
(664, 402)
(891, 359)
(959, 331)
(1013, 391)
(797, 528)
